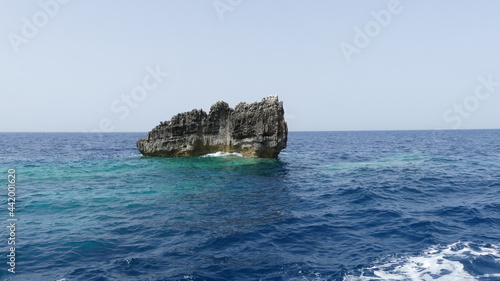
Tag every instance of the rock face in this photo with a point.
(254, 130)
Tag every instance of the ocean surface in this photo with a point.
(395, 205)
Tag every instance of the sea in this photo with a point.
(365, 205)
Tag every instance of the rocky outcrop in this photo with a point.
(254, 130)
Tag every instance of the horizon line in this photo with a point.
(296, 131)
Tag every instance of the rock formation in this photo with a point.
(254, 130)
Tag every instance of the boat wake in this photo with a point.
(455, 262)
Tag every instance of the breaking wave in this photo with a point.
(223, 154)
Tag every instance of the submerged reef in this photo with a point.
(253, 130)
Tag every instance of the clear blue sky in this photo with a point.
(337, 65)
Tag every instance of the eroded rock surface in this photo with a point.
(254, 130)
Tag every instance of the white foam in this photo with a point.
(440, 263)
(223, 154)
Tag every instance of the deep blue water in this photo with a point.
(401, 205)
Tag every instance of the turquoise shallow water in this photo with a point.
(414, 205)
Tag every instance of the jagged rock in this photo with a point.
(254, 130)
